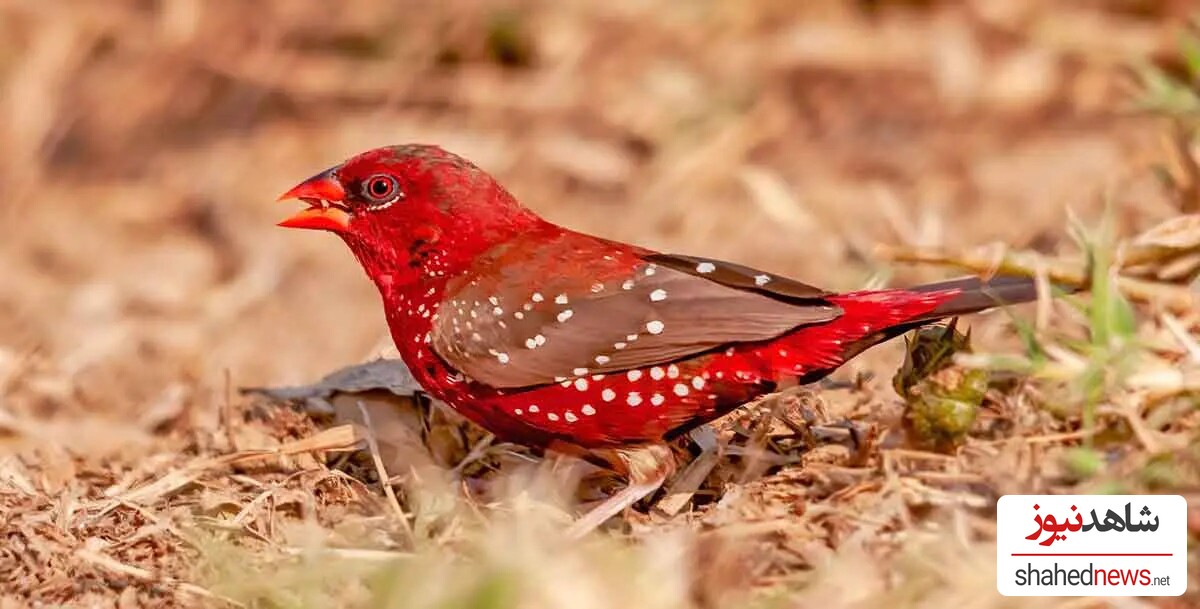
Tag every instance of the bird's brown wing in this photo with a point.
(576, 305)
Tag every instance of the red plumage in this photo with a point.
(546, 336)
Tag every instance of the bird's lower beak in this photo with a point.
(324, 195)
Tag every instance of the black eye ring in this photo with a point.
(382, 190)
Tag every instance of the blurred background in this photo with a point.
(145, 141)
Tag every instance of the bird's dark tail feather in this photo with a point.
(977, 294)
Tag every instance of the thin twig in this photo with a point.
(381, 471)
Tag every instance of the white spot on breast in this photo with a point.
(657, 399)
(518, 411)
(533, 408)
(761, 279)
(476, 336)
(552, 416)
(497, 311)
(597, 287)
(493, 300)
(698, 383)
(655, 326)
(588, 410)
(527, 307)
(681, 389)
(657, 295)
(672, 371)
(627, 284)
(519, 315)
(783, 353)
(561, 299)
(581, 384)
(536, 297)
(597, 377)
(541, 340)
(608, 395)
(657, 373)
(530, 343)
(502, 358)
(565, 315)
(705, 267)
(633, 399)
(579, 371)
(602, 359)
(633, 375)
(570, 417)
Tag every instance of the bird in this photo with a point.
(554, 338)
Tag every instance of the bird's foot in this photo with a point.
(647, 468)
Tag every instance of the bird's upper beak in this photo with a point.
(325, 196)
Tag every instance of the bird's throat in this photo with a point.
(412, 313)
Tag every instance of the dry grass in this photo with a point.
(144, 283)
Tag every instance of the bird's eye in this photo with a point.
(381, 189)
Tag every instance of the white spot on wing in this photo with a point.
(762, 279)
(658, 295)
(565, 315)
(655, 326)
(705, 267)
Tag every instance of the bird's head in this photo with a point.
(410, 212)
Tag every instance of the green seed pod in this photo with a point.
(942, 399)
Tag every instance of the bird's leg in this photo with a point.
(646, 467)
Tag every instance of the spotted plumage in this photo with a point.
(550, 337)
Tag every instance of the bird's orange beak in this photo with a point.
(324, 195)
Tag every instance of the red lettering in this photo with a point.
(1145, 579)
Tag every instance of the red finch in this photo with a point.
(550, 337)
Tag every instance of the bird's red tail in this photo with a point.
(872, 316)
